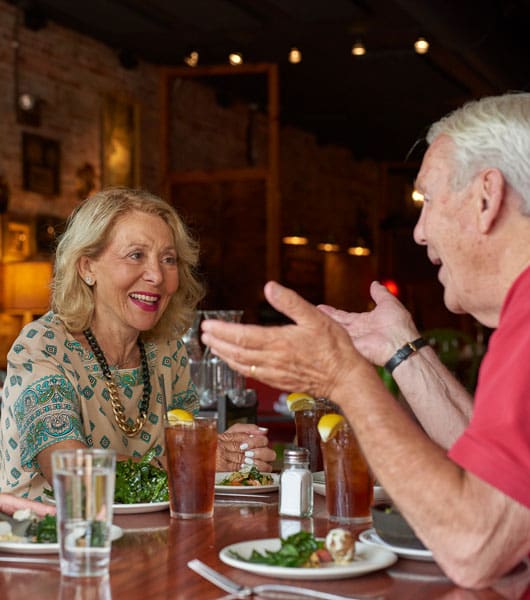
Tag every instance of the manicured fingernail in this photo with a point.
(249, 453)
(250, 435)
(264, 429)
(243, 446)
(249, 461)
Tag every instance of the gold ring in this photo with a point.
(252, 370)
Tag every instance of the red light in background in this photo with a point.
(391, 286)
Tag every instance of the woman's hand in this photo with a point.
(9, 504)
(244, 445)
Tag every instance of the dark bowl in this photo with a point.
(392, 528)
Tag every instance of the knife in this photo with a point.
(267, 590)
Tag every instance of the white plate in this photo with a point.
(141, 507)
(319, 486)
(370, 537)
(129, 509)
(35, 548)
(369, 559)
(245, 489)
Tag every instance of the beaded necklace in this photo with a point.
(117, 407)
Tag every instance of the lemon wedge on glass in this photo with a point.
(329, 424)
(179, 415)
(300, 401)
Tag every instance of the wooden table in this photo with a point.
(149, 562)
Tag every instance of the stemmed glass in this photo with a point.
(217, 380)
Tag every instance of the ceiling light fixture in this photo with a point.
(328, 246)
(359, 249)
(358, 49)
(235, 59)
(192, 59)
(295, 240)
(295, 56)
(421, 46)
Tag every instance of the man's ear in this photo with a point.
(492, 190)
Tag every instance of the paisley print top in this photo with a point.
(55, 391)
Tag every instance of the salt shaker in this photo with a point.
(296, 484)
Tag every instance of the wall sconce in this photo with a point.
(28, 108)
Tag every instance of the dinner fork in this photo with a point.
(267, 590)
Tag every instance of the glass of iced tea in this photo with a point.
(190, 451)
(306, 421)
(349, 482)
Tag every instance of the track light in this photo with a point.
(295, 56)
(358, 49)
(421, 46)
(235, 59)
(192, 59)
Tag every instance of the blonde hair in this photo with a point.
(87, 234)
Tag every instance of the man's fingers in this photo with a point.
(290, 303)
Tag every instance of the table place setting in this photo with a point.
(266, 590)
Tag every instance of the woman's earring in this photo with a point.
(89, 280)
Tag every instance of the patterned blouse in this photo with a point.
(55, 391)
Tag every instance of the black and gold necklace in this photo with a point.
(117, 407)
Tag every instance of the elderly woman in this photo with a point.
(100, 368)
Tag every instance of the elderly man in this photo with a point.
(463, 481)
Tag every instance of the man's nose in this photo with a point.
(419, 230)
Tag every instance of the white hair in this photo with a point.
(491, 132)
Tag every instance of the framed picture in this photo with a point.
(41, 161)
(120, 143)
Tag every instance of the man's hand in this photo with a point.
(377, 334)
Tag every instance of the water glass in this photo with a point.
(83, 482)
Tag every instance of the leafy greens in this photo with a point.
(138, 482)
(295, 551)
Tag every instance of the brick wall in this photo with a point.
(321, 187)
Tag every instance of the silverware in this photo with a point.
(267, 590)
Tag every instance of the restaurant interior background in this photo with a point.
(106, 92)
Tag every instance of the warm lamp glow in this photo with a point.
(235, 59)
(328, 247)
(27, 285)
(192, 59)
(417, 197)
(295, 240)
(358, 49)
(421, 45)
(359, 251)
(295, 56)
